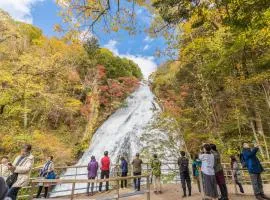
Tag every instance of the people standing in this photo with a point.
(236, 173)
(4, 171)
(156, 173)
(21, 168)
(196, 166)
(219, 173)
(124, 171)
(255, 169)
(45, 172)
(92, 169)
(105, 170)
(208, 172)
(137, 171)
(183, 163)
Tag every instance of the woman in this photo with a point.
(92, 173)
(196, 166)
(124, 171)
(208, 172)
(236, 173)
(46, 172)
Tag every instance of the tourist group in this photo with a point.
(207, 171)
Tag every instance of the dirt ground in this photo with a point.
(169, 192)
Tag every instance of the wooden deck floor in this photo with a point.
(170, 192)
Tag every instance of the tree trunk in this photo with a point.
(260, 130)
(256, 138)
(25, 117)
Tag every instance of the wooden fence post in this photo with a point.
(72, 191)
(147, 188)
(118, 188)
(32, 191)
(201, 184)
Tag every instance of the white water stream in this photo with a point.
(119, 135)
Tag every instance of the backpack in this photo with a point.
(242, 160)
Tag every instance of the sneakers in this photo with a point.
(259, 197)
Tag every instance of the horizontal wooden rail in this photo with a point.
(62, 181)
(74, 181)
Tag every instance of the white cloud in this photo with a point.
(146, 47)
(85, 35)
(148, 39)
(19, 9)
(111, 45)
(146, 63)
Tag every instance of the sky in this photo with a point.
(140, 47)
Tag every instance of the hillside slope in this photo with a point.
(55, 92)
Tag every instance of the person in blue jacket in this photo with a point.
(255, 169)
(124, 171)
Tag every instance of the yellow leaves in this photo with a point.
(73, 104)
(46, 144)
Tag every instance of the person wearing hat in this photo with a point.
(105, 170)
(137, 171)
(92, 173)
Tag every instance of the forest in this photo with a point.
(218, 87)
(55, 92)
(215, 84)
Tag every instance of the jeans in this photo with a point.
(257, 185)
(137, 181)
(92, 186)
(157, 183)
(104, 174)
(124, 182)
(185, 181)
(45, 193)
(13, 192)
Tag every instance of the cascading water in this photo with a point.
(120, 134)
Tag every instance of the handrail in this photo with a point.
(62, 181)
(74, 181)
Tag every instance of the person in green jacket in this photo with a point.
(156, 173)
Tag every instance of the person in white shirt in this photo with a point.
(4, 171)
(208, 172)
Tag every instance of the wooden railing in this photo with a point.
(168, 169)
(34, 182)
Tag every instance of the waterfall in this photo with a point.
(120, 134)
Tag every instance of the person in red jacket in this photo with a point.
(105, 170)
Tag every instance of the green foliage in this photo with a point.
(219, 89)
(51, 90)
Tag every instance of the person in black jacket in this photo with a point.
(183, 163)
(3, 188)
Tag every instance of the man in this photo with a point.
(124, 171)
(105, 170)
(255, 169)
(137, 171)
(21, 166)
(156, 173)
(219, 173)
(184, 173)
(4, 171)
